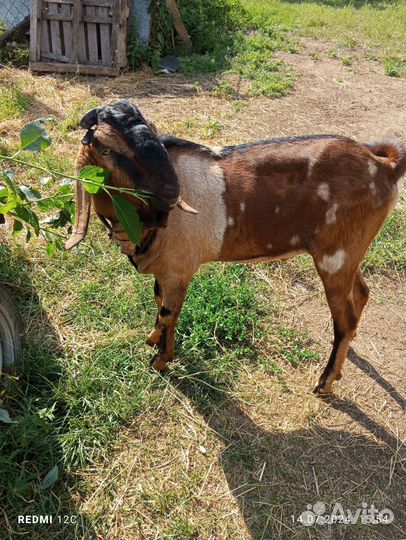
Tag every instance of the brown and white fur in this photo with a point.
(327, 196)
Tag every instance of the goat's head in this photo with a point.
(121, 140)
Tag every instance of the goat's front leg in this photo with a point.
(154, 337)
(172, 298)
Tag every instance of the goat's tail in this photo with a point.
(394, 157)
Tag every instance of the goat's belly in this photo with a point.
(263, 258)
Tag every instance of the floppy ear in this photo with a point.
(83, 205)
(90, 119)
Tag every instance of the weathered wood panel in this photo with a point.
(84, 36)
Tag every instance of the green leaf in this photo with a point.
(128, 217)
(11, 199)
(50, 478)
(31, 194)
(5, 417)
(17, 227)
(94, 178)
(50, 249)
(27, 215)
(34, 137)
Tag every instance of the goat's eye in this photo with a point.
(106, 152)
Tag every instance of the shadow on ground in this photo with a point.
(276, 476)
(32, 446)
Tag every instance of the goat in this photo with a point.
(325, 195)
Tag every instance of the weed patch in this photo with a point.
(13, 102)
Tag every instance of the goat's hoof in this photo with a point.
(158, 364)
(322, 390)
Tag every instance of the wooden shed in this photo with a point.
(81, 36)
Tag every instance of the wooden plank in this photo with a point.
(122, 37)
(178, 22)
(114, 33)
(103, 12)
(45, 45)
(56, 16)
(82, 58)
(97, 20)
(68, 2)
(74, 68)
(67, 10)
(76, 12)
(55, 30)
(91, 36)
(35, 31)
(98, 3)
(51, 56)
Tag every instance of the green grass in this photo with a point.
(387, 251)
(379, 26)
(71, 397)
(13, 102)
(395, 67)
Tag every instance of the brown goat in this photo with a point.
(323, 195)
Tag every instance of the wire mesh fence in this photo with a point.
(12, 12)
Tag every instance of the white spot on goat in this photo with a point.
(331, 214)
(372, 187)
(277, 210)
(294, 240)
(230, 221)
(332, 263)
(242, 206)
(217, 150)
(323, 191)
(269, 246)
(372, 168)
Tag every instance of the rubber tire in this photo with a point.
(11, 333)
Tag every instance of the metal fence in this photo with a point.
(13, 12)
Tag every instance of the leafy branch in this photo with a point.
(22, 202)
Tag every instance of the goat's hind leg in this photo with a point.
(347, 294)
(154, 337)
(172, 301)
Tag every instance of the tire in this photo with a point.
(11, 331)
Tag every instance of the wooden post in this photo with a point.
(178, 22)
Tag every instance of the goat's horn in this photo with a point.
(185, 207)
(90, 119)
(82, 216)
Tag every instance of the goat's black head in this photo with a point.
(120, 139)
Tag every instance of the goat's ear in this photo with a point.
(83, 204)
(90, 119)
(153, 127)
